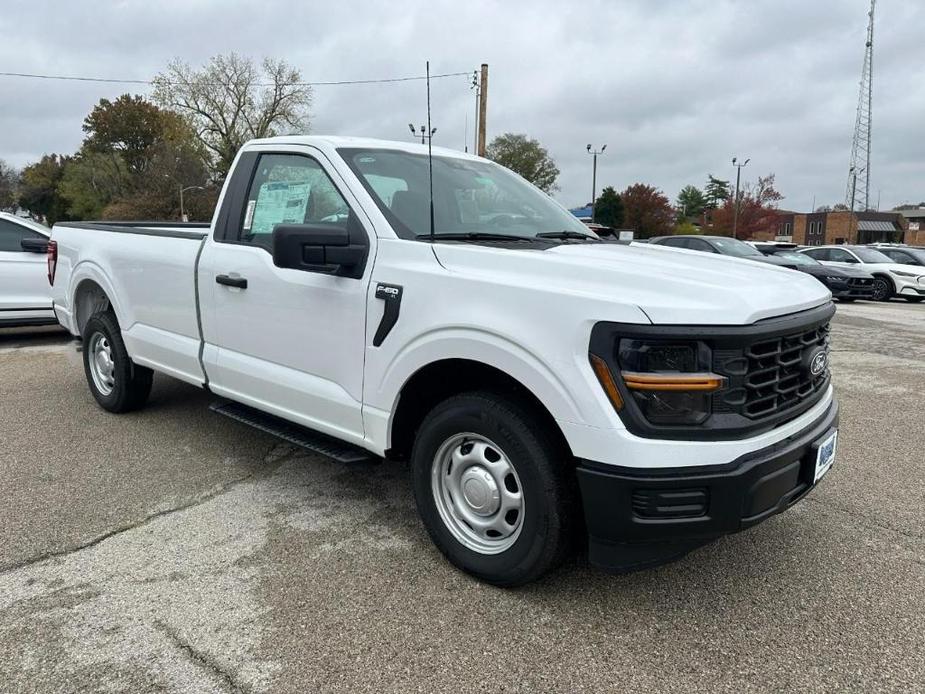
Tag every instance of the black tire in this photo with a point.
(883, 288)
(131, 383)
(914, 299)
(547, 484)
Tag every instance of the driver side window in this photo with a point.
(819, 253)
(289, 189)
(841, 256)
(11, 236)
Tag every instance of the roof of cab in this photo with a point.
(328, 142)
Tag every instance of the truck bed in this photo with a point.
(148, 269)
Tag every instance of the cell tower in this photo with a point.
(857, 192)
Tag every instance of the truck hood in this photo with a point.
(672, 286)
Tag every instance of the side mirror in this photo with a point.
(318, 248)
(34, 245)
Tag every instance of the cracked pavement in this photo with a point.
(172, 550)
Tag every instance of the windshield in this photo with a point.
(868, 255)
(916, 253)
(798, 258)
(735, 247)
(470, 196)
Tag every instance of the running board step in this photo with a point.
(293, 433)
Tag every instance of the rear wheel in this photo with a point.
(117, 383)
(494, 489)
(883, 289)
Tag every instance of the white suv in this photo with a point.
(25, 294)
(890, 278)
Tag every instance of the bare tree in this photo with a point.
(231, 100)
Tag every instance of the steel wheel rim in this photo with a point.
(102, 367)
(477, 493)
(880, 289)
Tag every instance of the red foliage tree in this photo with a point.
(757, 212)
(647, 211)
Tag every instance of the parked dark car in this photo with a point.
(846, 284)
(722, 245)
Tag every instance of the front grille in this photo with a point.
(860, 287)
(768, 377)
(767, 366)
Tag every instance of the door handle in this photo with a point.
(228, 281)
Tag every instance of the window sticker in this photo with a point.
(279, 202)
(249, 214)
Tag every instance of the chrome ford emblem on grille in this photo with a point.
(815, 361)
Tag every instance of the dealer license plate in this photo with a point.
(825, 456)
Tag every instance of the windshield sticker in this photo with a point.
(249, 214)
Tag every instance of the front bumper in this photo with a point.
(642, 517)
(911, 290)
(849, 291)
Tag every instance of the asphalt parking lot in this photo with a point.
(174, 550)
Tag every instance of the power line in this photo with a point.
(336, 83)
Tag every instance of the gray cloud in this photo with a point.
(674, 89)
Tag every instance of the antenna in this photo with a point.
(860, 147)
(430, 157)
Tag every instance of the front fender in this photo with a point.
(549, 385)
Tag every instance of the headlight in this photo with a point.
(836, 280)
(669, 381)
(904, 274)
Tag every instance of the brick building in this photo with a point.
(823, 228)
(915, 224)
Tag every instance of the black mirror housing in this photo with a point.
(34, 245)
(319, 248)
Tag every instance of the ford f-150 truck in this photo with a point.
(544, 385)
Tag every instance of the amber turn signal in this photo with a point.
(602, 371)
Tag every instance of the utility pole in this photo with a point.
(478, 102)
(854, 186)
(735, 214)
(594, 152)
(483, 109)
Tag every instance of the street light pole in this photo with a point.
(183, 190)
(594, 152)
(735, 214)
(424, 134)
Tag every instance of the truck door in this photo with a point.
(24, 290)
(286, 341)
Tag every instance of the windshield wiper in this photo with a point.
(475, 236)
(567, 234)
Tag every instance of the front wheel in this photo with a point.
(495, 490)
(883, 289)
(117, 383)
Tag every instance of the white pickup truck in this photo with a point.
(544, 384)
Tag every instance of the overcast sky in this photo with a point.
(675, 89)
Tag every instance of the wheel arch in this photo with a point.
(89, 298)
(889, 280)
(439, 380)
